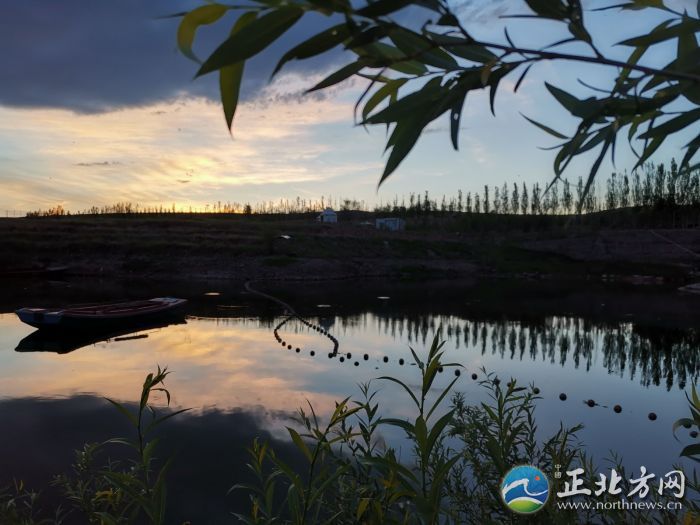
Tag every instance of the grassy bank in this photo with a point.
(225, 246)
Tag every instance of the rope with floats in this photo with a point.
(292, 314)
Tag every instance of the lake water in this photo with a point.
(636, 347)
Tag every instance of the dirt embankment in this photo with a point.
(249, 247)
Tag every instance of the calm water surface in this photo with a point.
(636, 348)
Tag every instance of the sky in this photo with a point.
(97, 106)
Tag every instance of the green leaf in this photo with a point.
(296, 438)
(203, 15)
(438, 429)
(597, 137)
(442, 396)
(124, 411)
(692, 149)
(391, 87)
(570, 102)
(456, 119)
(404, 386)
(342, 74)
(252, 39)
(663, 33)
(494, 79)
(418, 102)
(596, 165)
(673, 125)
(649, 150)
(632, 60)
(316, 45)
(521, 78)
(473, 52)
(361, 508)
(421, 435)
(392, 58)
(403, 138)
(687, 56)
(546, 129)
(328, 7)
(415, 45)
(401, 423)
(691, 450)
(548, 8)
(382, 7)
(580, 33)
(163, 419)
(230, 77)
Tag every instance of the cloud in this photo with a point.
(177, 151)
(93, 164)
(101, 55)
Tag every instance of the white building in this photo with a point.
(328, 215)
(391, 223)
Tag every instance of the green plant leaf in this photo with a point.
(570, 102)
(412, 105)
(361, 508)
(230, 77)
(456, 119)
(554, 9)
(252, 39)
(414, 45)
(343, 73)
(121, 408)
(437, 430)
(390, 88)
(691, 450)
(393, 58)
(299, 442)
(316, 45)
(442, 396)
(673, 125)
(405, 135)
(404, 386)
(382, 7)
(691, 149)
(546, 129)
(663, 33)
(187, 30)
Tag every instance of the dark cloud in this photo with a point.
(101, 55)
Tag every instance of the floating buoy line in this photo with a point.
(291, 314)
(311, 326)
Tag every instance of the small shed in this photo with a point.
(392, 223)
(328, 215)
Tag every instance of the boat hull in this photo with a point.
(102, 317)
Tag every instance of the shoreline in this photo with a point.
(300, 250)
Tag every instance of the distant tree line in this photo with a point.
(654, 186)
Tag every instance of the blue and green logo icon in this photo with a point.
(525, 489)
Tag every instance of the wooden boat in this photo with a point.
(100, 316)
